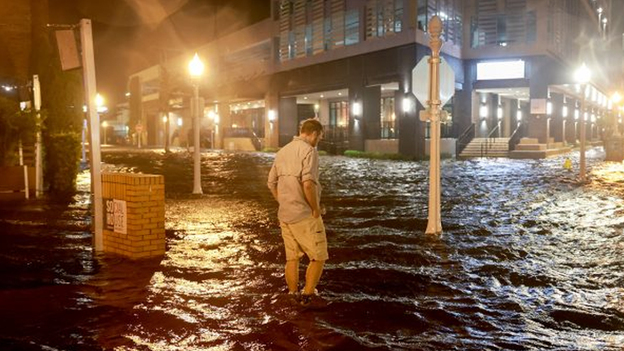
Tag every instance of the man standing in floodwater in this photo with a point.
(294, 182)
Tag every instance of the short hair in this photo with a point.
(310, 126)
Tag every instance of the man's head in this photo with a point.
(311, 131)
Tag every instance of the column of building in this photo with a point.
(271, 120)
(556, 117)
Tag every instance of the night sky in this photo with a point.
(129, 35)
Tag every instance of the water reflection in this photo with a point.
(529, 259)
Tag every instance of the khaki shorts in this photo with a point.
(306, 236)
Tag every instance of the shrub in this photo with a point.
(14, 126)
(377, 155)
(62, 162)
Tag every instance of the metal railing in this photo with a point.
(256, 137)
(517, 134)
(486, 145)
(335, 139)
(465, 138)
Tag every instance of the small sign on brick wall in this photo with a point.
(116, 216)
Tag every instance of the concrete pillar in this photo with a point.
(356, 118)
(323, 113)
(371, 112)
(538, 126)
(411, 130)
(288, 124)
(225, 121)
(571, 122)
(509, 108)
(490, 120)
(465, 111)
(569, 126)
(556, 123)
(271, 120)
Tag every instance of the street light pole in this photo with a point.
(197, 164)
(582, 161)
(196, 68)
(434, 224)
(615, 99)
(104, 126)
(583, 75)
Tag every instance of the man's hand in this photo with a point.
(316, 213)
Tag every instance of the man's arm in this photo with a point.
(274, 192)
(272, 183)
(309, 190)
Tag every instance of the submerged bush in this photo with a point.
(62, 162)
(377, 155)
(15, 125)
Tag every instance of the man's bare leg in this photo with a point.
(313, 275)
(292, 275)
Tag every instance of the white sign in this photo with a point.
(538, 106)
(420, 81)
(116, 216)
(500, 70)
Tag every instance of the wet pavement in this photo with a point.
(529, 260)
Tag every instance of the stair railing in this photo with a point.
(489, 141)
(518, 134)
(464, 139)
(256, 141)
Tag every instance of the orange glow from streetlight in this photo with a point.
(196, 66)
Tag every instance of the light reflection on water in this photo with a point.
(529, 259)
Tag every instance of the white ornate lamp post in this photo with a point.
(615, 99)
(104, 126)
(434, 224)
(582, 76)
(196, 69)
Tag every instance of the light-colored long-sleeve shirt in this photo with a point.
(294, 164)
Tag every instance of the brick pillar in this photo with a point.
(134, 214)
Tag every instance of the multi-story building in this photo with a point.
(350, 62)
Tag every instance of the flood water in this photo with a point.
(529, 260)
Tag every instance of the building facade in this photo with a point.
(349, 63)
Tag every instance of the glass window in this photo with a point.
(398, 16)
(338, 114)
(531, 27)
(352, 27)
(338, 122)
(383, 17)
(388, 119)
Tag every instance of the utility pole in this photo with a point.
(164, 95)
(38, 148)
(88, 73)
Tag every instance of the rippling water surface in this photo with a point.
(529, 260)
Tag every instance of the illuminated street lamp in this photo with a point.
(196, 69)
(582, 76)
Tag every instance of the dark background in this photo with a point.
(130, 35)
